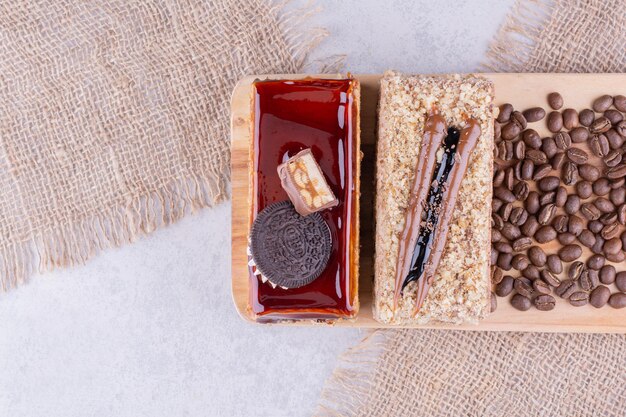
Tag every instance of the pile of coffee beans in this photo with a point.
(559, 205)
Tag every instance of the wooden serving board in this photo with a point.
(523, 91)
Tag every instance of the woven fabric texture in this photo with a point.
(453, 373)
(114, 116)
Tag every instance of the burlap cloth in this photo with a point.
(454, 373)
(114, 116)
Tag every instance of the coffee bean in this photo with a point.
(570, 119)
(510, 131)
(546, 214)
(607, 274)
(537, 256)
(614, 116)
(590, 211)
(560, 224)
(531, 138)
(505, 113)
(518, 118)
(618, 171)
(521, 190)
(588, 172)
(494, 257)
(595, 262)
(598, 245)
(566, 288)
(577, 155)
(566, 238)
(575, 225)
(612, 246)
(617, 300)
(545, 302)
(617, 196)
(621, 214)
(616, 141)
(508, 151)
(570, 173)
(619, 102)
(621, 128)
(527, 169)
(604, 205)
(623, 239)
(575, 270)
(608, 219)
(584, 189)
(520, 262)
(617, 258)
(555, 121)
(505, 286)
(548, 183)
(558, 160)
(620, 281)
(536, 156)
(554, 264)
(601, 187)
(599, 296)
(518, 170)
(617, 183)
(579, 134)
(588, 279)
(503, 247)
(504, 194)
(572, 204)
(600, 125)
(504, 261)
(495, 205)
(570, 253)
(534, 114)
(531, 273)
(496, 221)
(523, 288)
(522, 244)
(497, 135)
(495, 235)
(586, 117)
(505, 211)
(518, 216)
(587, 238)
(548, 146)
(550, 278)
(579, 298)
(562, 140)
(530, 227)
(496, 275)
(545, 234)
(509, 179)
(610, 231)
(501, 151)
(498, 178)
(599, 145)
(602, 103)
(541, 171)
(494, 302)
(510, 231)
(540, 287)
(561, 196)
(555, 100)
(532, 202)
(519, 150)
(520, 302)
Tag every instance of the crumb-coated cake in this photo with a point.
(433, 194)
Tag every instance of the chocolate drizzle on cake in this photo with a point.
(442, 163)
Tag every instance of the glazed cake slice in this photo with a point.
(434, 170)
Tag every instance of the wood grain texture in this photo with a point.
(523, 91)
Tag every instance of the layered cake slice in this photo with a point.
(304, 194)
(434, 170)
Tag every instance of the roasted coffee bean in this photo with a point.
(590, 211)
(588, 172)
(617, 183)
(548, 146)
(504, 194)
(554, 264)
(505, 211)
(508, 151)
(584, 189)
(510, 131)
(599, 296)
(566, 288)
(572, 204)
(544, 302)
(555, 100)
(527, 169)
(614, 116)
(579, 298)
(562, 140)
(620, 281)
(588, 279)
(618, 196)
(497, 134)
(617, 258)
(607, 274)
(570, 119)
(546, 214)
(496, 275)
(541, 287)
(615, 139)
(502, 151)
(518, 216)
(570, 253)
(536, 156)
(617, 300)
(595, 262)
(494, 302)
(505, 286)
(604, 205)
(587, 238)
(547, 198)
(610, 231)
(575, 270)
(550, 277)
(612, 246)
(521, 190)
(545, 234)
(555, 121)
(599, 145)
(570, 173)
(623, 239)
(503, 247)
(617, 171)
(498, 178)
(520, 302)
(537, 256)
(530, 227)
(520, 262)
(532, 202)
(621, 128)
(595, 226)
(558, 160)
(575, 225)
(534, 114)
(561, 196)
(518, 170)
(549, 183)
(531, 272)
(602, 103)
(523, 288)
(496, 221)
(519, 150)
(495, 205)
(531, 138)
(495, 235)
(494, 257)
(541, 171)
(505, 113)
(608, 218)
(619, 102)
(598, 245)
(522, 244)
(509, 179)
(579, 134)
(504, 261)
(600, 125)
(601, 186)
(621, 214)
(518, 118)
(586, 117)
(566, 238)
(577, 155)
(560, 224)
(510, 231)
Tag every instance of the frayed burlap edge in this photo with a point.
(74, 243)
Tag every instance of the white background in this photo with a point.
(150, 329)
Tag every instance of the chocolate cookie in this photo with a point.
(288, 249)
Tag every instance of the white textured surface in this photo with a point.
(149, 329)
